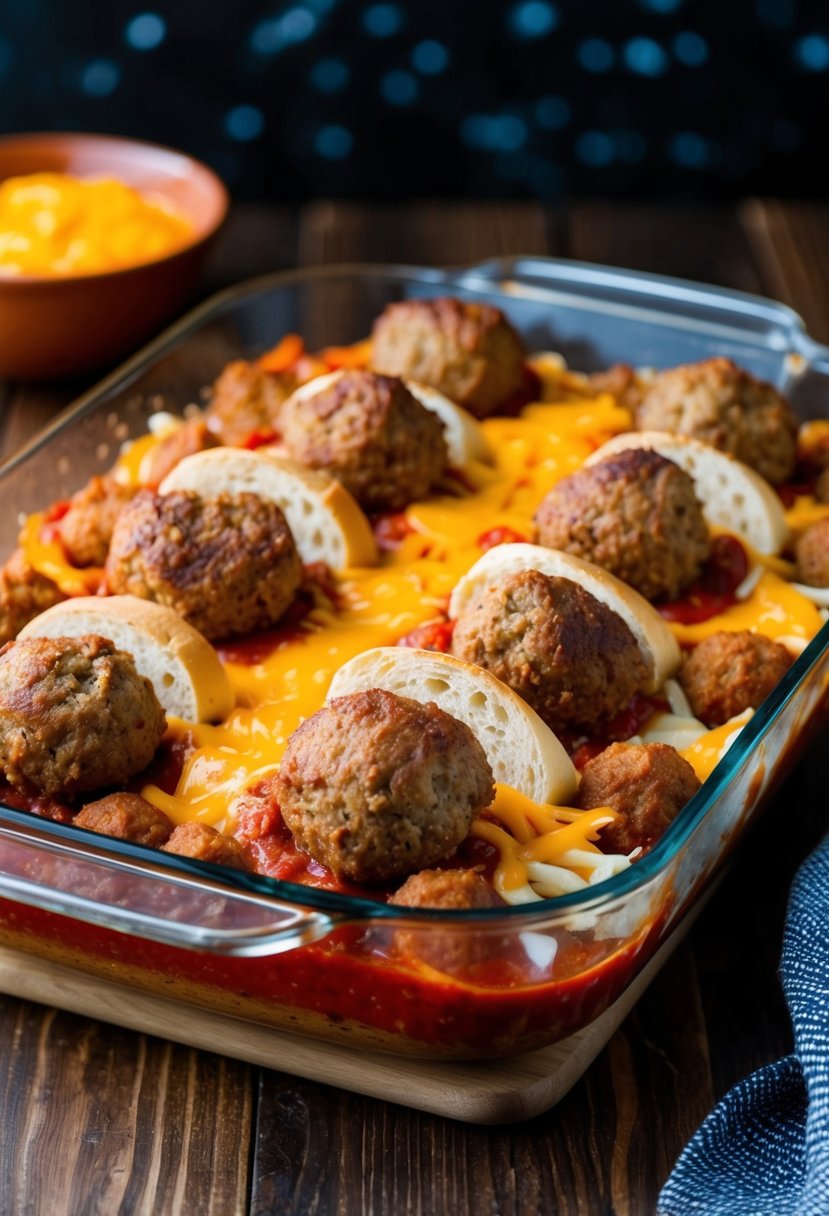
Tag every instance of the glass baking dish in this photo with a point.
(436, 984)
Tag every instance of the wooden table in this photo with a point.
(96, 1119)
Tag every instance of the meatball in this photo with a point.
(450, 950)
(127, 816)
(86, 528)
(455, 889)
(370, 433)
(718, 402)
(24, 594)
(376, 786)
(620, 381)
(635, 514)
(75, 715)
(187, 439)
(812, 554)
(245, 399)
(570, 657)
(200, 841)
(467, 351)
(731, 672)
(648, 784)
(227, 564)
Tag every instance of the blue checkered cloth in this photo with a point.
(765, 1147)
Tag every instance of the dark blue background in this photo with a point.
(535, 98)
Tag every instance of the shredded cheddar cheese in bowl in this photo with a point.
(57, 224)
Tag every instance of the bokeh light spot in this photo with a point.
(596, 55)
(146, 31)
(100, 77)
(533, 19)
(271, 36)
(330, 75)
(812, 52)
(645, 57)
(595, 148)
(661, 6)
(244, 123)
(430, 57)
(382, 20)
(399, 88)
(334, 142)
(494, 132)
(691, 49)
(690, 150)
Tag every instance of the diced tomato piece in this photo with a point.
(713, 592)
(391, 530)
(356, 355)
(284, 355)
(258, 439)
(436, 635)
(56, 512)
(499, 536)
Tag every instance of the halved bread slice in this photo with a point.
(464, 438)
(326, 522)
(181, 665)
(522, 750)
(733, 496)
(658, 645)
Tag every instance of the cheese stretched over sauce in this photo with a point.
(380, 605)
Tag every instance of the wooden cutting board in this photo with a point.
(496, 1091)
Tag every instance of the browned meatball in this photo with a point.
(376, 786)
(718, 402)
(75, 715)
(245, 399)
(86, 528)
(635, 514)
(24, 594)
(200, 841)
(127, 816)
(227, 564)
(370, 433)
(186, 440)
(454, 889)
(456, 949)
(812, 554)
(569, 656)
(730, 672)
(621, 382)
(467, 351)
(647, 783)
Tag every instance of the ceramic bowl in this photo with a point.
(52, 326)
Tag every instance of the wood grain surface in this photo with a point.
(95, 1119)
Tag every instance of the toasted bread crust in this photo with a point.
(162, 644)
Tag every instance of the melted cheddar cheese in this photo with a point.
(378, 606)
(544, 850)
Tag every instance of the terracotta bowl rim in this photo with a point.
(203, 231)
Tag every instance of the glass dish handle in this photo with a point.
(92, 883)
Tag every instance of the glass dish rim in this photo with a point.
(354, 909)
